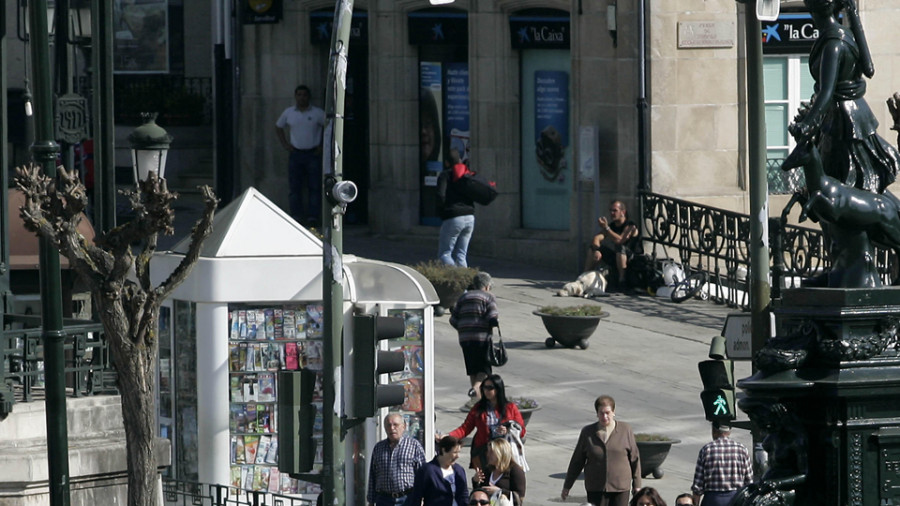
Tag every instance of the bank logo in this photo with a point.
(437, 31)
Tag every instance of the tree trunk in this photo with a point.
(134, 362)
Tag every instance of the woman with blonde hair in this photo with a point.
(501, 473)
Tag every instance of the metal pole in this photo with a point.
(4, 171)
(759, 215)
(333, 277)
(45, 150)
(103, 118)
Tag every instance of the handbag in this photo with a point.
(480, 190)
(496, 350)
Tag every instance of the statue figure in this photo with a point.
(785, 442)
(848, 165)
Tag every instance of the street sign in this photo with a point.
(738, 336)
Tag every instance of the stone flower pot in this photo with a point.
(653, 453)
(569, 331)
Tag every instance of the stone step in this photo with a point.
(85, 416)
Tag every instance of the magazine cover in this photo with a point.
(291, 357)
(239, 452)
(272, 356)
(314, 321)
(261, 478)
(251, 388)
(290, 325)
(263, 449)
(235, 325)
(260, 323)
(274, 480)
(236, 391)
(251, 444)
(264, 417)
(279, 325)
(242, 322)
(251, 324)
(236, 476)
(270, 322)
(272, 454)
(266, 387)
(414, 388)
(235, 362)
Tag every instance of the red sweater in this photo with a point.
(477, 419)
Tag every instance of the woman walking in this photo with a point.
(491, 417)
(608, 454)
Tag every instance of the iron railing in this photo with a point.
(88, 367)
(183, 493)
(716, 241)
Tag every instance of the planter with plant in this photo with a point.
(653, 449)
(449, 281)
(570, 326)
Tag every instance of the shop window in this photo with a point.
(787, 83)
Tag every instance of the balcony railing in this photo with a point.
(183, 493)
(716, 241)
(88, 367)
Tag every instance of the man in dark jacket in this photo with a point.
(457, 212)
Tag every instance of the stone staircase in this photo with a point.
(96, 448)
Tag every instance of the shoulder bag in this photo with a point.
(496, 350)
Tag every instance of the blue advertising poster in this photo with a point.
(430, 107)
(457, 111)
(551, 122)
(547, 180)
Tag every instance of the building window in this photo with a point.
(787, 84)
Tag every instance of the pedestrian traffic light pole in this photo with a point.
(332, 272)
(45, 150)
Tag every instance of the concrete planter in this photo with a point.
(569, 331)
(653, 454)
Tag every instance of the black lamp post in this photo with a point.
(149, 148)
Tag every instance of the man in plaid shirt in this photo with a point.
(723, 468)
(473, 316)
(394, 462)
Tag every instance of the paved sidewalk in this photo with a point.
(644, 354)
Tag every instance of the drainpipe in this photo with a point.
(643, 106)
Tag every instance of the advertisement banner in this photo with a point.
(141, 38)
(457, 107)
(430, 133)
(551, 122)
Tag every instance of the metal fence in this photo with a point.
(182, 493)
(716, 241)
(88, 367)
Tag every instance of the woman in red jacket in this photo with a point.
(491, 416)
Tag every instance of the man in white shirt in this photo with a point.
(299, 129)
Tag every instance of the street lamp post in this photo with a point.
(45, 150)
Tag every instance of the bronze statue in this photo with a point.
(847, 164)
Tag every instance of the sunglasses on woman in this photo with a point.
(482, 502)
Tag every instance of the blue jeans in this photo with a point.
(454, 239)
(305, 170)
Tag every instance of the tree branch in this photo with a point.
(199, 233)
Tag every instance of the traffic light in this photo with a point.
(296, 417)
(718, 384)
(369, 362)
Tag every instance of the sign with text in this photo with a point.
(438, 28)
(320, 24)
(539, 32)
(705, 34)
(738, 336)
(791, 33)
(456, 82)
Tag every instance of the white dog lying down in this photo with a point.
(588, 284)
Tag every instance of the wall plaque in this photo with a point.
(705, 34)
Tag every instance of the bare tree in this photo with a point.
(128, 309)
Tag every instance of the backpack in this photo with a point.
(642, 273)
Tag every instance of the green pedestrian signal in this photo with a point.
(718, 389)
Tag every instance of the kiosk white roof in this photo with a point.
(257, 253)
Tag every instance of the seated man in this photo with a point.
(615, 245)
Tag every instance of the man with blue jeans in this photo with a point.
(457, 212)
(304, 123)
